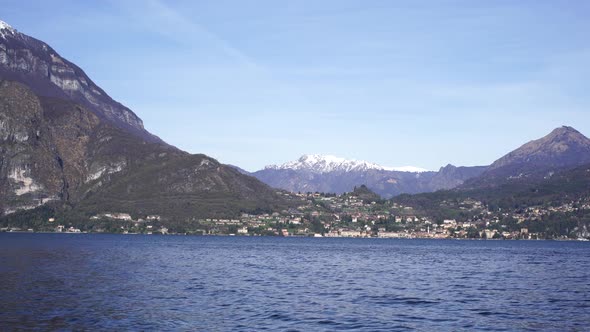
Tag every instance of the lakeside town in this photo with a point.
(359, 214)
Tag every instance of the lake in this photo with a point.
(142, 282)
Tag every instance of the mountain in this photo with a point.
(565, 187)
(552, 173)
(241, 170)
(34, 63)
(365, 194)
(451, 176)
(563, 148)
(317, 173)
(326, 163)
(65, 143)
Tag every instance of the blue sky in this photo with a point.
(251, 83)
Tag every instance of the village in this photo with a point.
(359, 214)
(348, 215)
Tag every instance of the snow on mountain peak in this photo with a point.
(327, 163)
(6, 28)
(4, 25)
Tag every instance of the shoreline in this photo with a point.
(314, 237)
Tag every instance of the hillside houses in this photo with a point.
(347, 215)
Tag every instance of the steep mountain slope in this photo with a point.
(55, 150)
(43, 70)
(80, 151)
(564, 187)
(563, 148)
(548, 172)
(185, 187)
(30, 172)
(312, 173)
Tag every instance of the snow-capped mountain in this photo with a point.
(326, 173)
(327, 163)
(5, 28)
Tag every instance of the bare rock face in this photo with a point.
(54, 150)
(46, 148)
(28, 60)
(29, 170)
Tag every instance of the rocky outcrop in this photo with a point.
(29, 168)
(54, 150)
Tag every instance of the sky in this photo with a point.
(253, 83)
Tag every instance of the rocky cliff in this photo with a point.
(64, 142)
(34, 63)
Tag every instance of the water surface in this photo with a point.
(118, 282)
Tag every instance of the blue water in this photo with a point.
(122, 282)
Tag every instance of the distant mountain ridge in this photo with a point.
(311, 173)
(327, 163)
(564, 148)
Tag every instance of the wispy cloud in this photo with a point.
(164, 20)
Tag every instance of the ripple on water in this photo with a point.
(91, 282)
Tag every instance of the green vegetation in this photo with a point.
(194, 194)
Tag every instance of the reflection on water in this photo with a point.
(59, 281)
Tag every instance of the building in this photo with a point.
(392, 235)
(350, 233)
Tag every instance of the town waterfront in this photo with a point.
(139, 282)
